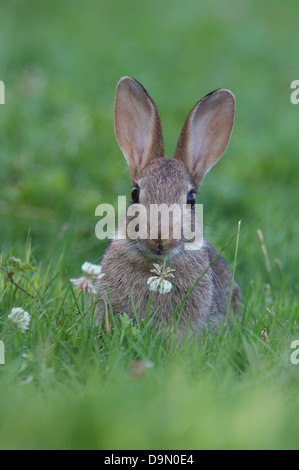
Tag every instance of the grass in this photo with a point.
(69, 384)
(65, 383)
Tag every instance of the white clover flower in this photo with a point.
(84, 284)
(152, 279)
(159, 283)
(93, 271)
(162, 271)
(20, 318)
(164, 286)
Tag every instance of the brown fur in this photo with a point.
(127, 263)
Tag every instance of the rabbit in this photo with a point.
(127, 263)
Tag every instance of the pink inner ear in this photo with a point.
(139, 144)
(137, 126)
(209, 137)
(140, 124)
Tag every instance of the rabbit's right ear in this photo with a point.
(137, 126)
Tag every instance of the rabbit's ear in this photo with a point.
(137, 126)
(206, 133)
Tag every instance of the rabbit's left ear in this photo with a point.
(137, 126)
(206, 133)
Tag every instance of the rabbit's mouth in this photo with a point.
(157, 248)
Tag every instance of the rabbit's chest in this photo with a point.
(133, 295)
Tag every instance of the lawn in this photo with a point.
(67, 384)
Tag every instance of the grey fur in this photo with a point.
(127, 263)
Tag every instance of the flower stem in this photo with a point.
(10, 278)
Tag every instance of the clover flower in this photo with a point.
(20, 318)
(158, 282)
(91, 273)
(84, 284)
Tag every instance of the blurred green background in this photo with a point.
(60, 62)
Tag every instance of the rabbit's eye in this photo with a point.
(191, 198)
(135, 195)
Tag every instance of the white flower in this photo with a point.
(152, 279)
(93, 271)
(20, 318)
(162, 271)
(158, 283)
(84, 284)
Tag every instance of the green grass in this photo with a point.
(67, 383)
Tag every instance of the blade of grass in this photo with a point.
(233, 274)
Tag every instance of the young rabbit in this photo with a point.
(128, 262)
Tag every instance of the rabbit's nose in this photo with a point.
(156, 245)
(160, 246)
